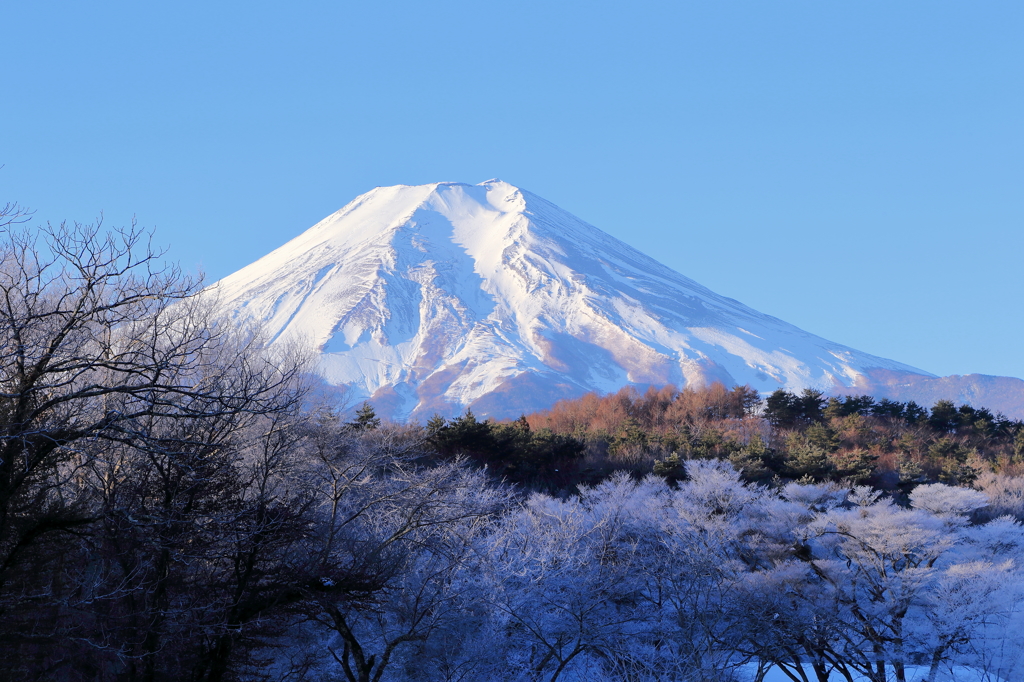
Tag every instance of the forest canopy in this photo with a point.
(807, 437)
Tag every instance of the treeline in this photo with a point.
(804, 437)
(174, 506)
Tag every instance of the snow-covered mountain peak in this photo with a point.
(442, 296)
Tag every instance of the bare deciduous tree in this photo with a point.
(113, 381)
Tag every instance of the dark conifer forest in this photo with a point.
(177, 504)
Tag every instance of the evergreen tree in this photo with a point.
(834, 409)
(851, 404)
(958, 473)
(910, 473)
(782, 409)
(672, 468)
(823, 437)
(366, 418)
(806, 461)
(810, 403)
(468, 436)
(785, 410)
(888, 408)
(1018, 445)
(631, 434)
(748, 399)
(435, 424)
(945, 417)
(914, 413)
(756, 461)
(854, 466)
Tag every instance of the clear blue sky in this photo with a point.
(855, 168)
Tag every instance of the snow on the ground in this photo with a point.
(914, 673)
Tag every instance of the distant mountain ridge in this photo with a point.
(435, 298)
(999, 394)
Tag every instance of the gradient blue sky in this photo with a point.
(855, 168)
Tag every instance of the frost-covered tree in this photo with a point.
(899, 578)
(879, 559)
(790, 616)
(561, 579)
(386, 564)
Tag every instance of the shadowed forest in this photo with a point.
(175, 505)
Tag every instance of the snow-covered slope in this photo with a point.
(438, 297)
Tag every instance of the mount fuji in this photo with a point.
(439, 297)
